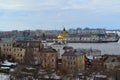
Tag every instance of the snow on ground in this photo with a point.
(4, 76)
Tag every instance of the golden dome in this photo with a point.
(60, 37)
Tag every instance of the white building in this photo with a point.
(59, 48)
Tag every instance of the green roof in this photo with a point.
(19, 38)
(7, 39)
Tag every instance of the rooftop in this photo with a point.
(48, 49)
(72, 53)
(7, 40)
(112, 59)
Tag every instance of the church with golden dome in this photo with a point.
(60, 42)
(62, 36)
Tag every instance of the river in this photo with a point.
(106, 48)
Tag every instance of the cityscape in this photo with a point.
(59, 40)
(60, 54)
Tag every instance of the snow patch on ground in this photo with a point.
(4, 76)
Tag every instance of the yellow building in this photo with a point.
(6, 45)
(10, 51)
(27, 50)
(17, 49)
(19, 54)
(73, 61)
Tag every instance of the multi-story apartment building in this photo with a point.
(6, 45)
(24, 50)
(49, 58)
(10, 48)
(19, 53)
(73, 61)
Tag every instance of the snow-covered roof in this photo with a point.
(6, 63)
(101, 76)
(5, 67)
(46, 76)
(30, 68)
(11, 70)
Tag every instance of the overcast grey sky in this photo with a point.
(53, 14)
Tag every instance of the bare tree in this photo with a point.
(29, 57)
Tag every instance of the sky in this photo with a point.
(56, 14)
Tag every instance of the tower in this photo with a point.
(62, 36)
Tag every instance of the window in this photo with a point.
(21, 55)
(74, 62)
(68, 63)
(67, 57)
(14, 49)
(70, 58)
(52, 60)
(73, 58)
(52, 55)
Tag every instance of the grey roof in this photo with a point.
(72, 53)
(88, 50)
(112, 59)
(29, 44)
(67, 47)
(48, 49)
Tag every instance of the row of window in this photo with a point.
(36, 49)
(17, 49)
(18, 55)
(71, 63)
(14, 50)
(7, 45)
(71, 57)
(7, 49)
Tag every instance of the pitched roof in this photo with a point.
(48, 49)
(72, 53)
(112, 59)
(7, 40)
(19, 38)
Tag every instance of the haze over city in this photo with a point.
(53, 14)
